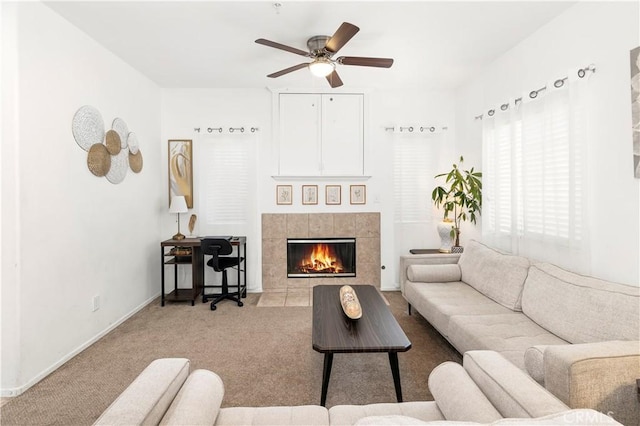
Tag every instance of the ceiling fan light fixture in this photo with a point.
(321, 67)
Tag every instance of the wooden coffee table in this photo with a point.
(376, 331)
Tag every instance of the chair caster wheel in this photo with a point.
(213, 307)
(240, 304)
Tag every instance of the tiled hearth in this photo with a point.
(278, 290)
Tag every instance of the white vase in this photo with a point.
(444, 230)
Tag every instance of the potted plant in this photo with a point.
(461, 195)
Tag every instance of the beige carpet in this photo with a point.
(263, 355)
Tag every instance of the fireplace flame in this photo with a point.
(322, 259)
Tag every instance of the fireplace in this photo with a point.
(321, 257)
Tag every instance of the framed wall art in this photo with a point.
(284, 194)
(333, 195)
(181, 169)
(309, 194)
(358, 194)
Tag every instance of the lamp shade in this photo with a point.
(321, 67)
(178, 204)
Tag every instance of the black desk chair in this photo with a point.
(219, 249)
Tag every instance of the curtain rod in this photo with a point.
(231, 129)
(582, 72)
(410, 129)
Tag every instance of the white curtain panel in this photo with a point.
(535, 176)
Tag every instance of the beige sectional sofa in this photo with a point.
(576, 335)
(486, 389)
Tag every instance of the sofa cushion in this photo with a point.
(437, 302)
(392, 420)
(458, 396)
(198, 401)
(434, 273)
(312, 415)
(580, 309)
(510, 390)
(508, 334)
(147, 398)
(342, 415)
(497, 275)
(581, 417)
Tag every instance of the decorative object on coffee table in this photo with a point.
(462, 195)
(350, 303)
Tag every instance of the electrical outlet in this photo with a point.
(96, 303)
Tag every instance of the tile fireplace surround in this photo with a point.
(276, 228)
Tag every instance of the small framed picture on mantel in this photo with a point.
(309, 194)
(358, 194)
(333, 195)
(284, 194)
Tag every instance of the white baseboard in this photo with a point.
(12, 392)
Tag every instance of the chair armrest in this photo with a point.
(424, 259)
(600, 376)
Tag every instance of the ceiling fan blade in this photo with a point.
(365, 62)
(282, 47)
(341, 37)
(288, 70)
(334, 80)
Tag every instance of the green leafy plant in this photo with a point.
(461, 194)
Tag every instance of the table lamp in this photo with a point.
(178, 205)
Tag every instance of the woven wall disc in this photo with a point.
(113, 142)
(98, 159)
(119, 166)
(121, 127)
(87, 127)
(135, 161)
(132, 141)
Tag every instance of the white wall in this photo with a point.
(602, 33)
(185, 109)
(69, 235)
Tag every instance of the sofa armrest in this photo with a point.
(600, 376)
(510, 390)
(424, 259)
(147, 398)
(198, 401)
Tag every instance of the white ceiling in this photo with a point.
(209, 44)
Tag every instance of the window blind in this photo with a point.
(413, 172)
(227, 168)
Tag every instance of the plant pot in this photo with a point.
(457, 249)
(446, 242)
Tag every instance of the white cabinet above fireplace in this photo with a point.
(320, 134)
